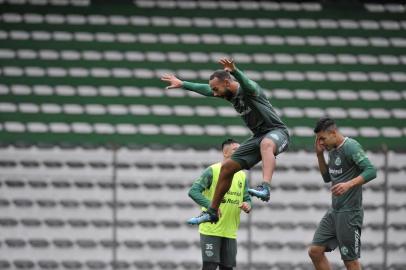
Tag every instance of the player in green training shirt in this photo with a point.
(218, 241)
(348, 168)
(270, 135)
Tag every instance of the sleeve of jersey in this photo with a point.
(247, 197)
(249, 86)
(326, 177)
(200, 88)
(201, 184)
(360, 158)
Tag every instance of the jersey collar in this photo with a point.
(341, 144)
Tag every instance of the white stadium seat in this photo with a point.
(37, 127)
(380, 113)
(399, 113)
(215, 130)
(193, 130)
(126, 129)
(28, 108)
(109, 91)
(369, 132)
(326, 94)
(369, 95)
(59, 127)
(49, 108)
(337, 113)
(171, 129)
(358, 113)
(148, 129)
(82, 128)
(391, 132)
(103, 128)
(153, 92)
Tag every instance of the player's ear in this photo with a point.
(225, 150)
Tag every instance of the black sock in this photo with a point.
(266, 184)
(212, 211)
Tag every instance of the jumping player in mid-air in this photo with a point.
(270, 135)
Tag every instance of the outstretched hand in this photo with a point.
(173, 81)
(228, 64)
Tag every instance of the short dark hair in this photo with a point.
(221, 74)
(324, 123)
(228, 142)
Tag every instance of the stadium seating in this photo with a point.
(70, 214)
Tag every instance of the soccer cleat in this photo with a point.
(261, 191)
(205, 216)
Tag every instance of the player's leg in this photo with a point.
(245, 157)
(318, 257)
(268, 152)
(228, 253)
(352, 265)
(210, 247)
(349, 237)
(324, 240)
(210, 266)
(227, 171)
(272, 144)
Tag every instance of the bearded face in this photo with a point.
(221, 88)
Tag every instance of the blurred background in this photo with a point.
(96, 157)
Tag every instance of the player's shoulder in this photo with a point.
(215, 165)
(351, 145)
(350, 142)
(209, 169)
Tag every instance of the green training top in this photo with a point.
(202, 192)
(344, 164)
(250, 102)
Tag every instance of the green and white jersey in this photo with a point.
(344, 164)
(250, 102)
(254, 107)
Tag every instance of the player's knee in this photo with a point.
(352, 265)
(226, 170)
(229, 168)
(268, 145)
(315, 252)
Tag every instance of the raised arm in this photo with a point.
(174, 82)
(322, 161)
(248, 85)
